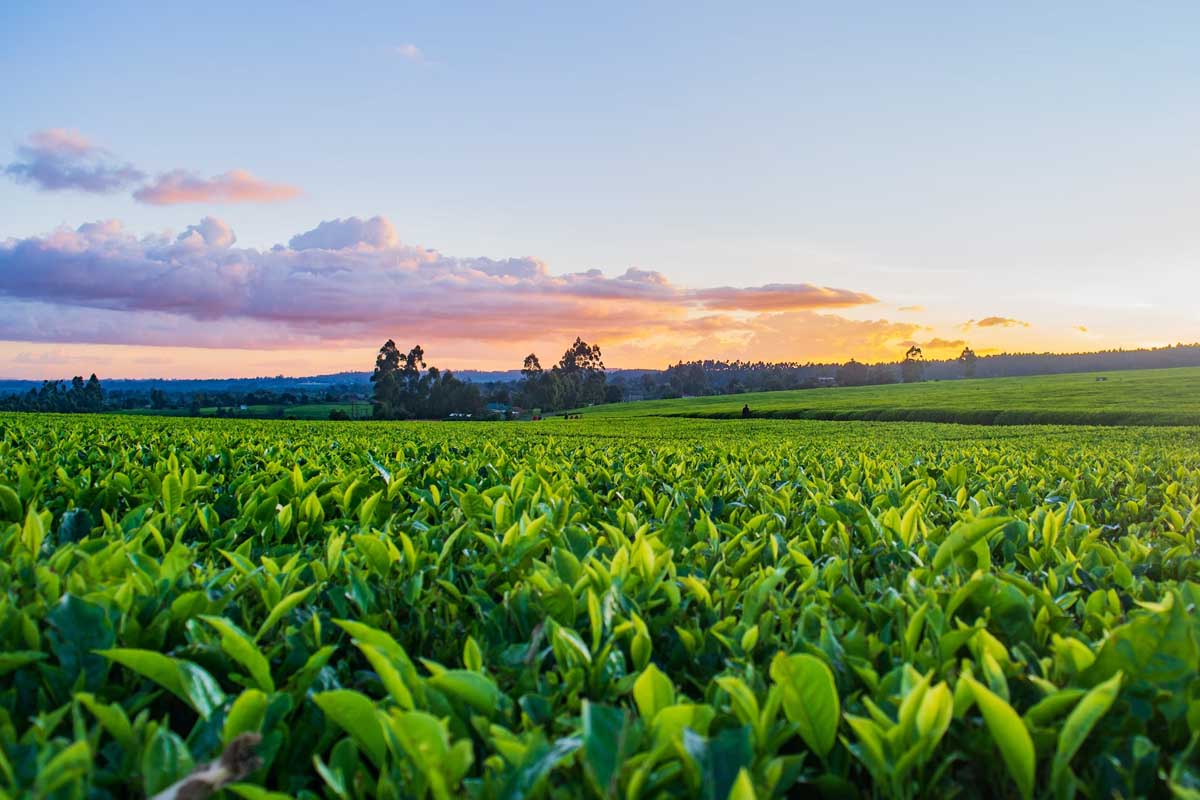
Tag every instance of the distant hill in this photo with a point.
(341, 382)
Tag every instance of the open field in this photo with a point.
(1133, 397)
(602, 607)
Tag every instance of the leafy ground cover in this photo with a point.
(1133, 397)
(604, 608)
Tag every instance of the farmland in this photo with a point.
(1135, 397)
(600, 607)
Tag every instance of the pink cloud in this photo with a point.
(235, 186)
(339, 234)
(57, 160)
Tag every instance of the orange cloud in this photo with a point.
(944, 344)
(911, 308)
(236, 186)
(996, 322)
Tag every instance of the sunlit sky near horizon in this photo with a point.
(251, 189)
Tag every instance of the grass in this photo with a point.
(1142, 397)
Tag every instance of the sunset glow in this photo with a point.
(305, 196)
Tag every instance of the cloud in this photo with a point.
(236, 186)
(350, 281)
(938, 343)
(911, 308)
(210, 231)
(58, 160)
(62, 160)
(996, 322)
(340, 234)
(409, 52)
(1081, 328)
(780, 297)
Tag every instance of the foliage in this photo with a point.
(578, 379)
(713, 376)
(642, 608)
(83, 397)
(402, 392)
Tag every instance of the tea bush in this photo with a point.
(633, 608)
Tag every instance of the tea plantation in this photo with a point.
(1130, 397)
(598, 608)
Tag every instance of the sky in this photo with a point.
(277, 188)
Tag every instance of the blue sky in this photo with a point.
(1030, 161)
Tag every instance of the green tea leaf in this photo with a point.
(355, 714)
(1079, 723)
(810, 699)
(1010, 735)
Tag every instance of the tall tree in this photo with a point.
(968, 359)
(532, 366)
(912, 369)
(402, 392)
(581, 357)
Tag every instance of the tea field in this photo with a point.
(1130, 397)
(625, 608)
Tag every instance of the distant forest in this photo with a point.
(708, 377)
(579, 378)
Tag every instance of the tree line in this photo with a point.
(80, 397)
(714, 376)
(402, 391)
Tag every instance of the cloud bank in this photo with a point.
(350, 281)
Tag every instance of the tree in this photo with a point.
(912, 369)
(578, 379)
(968, 359)
(581, 357)
(532, 366)
(397, 380)
(402, 392)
